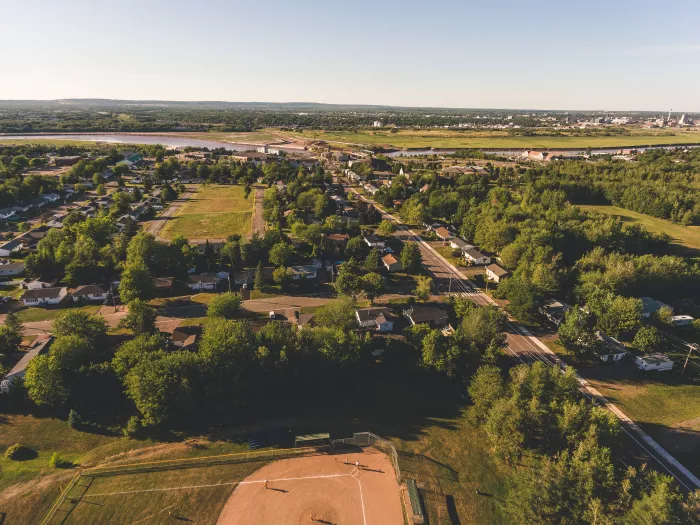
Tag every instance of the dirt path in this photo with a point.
(258, 221)
(155, 226)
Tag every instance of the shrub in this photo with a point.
(19, 452)
(74, 419)
(56, 461)
(132, 427)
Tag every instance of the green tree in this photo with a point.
(92, 328)
(620, 315)
(141, 318)
(372, 261)
(576, 333)
(136, 282)
(226, 305)
(130, 353)
(485, 388)
(372, 285)
(647, 339)
(385, 228)
(44, 382)
(281, 253)
(338, 313)
(259, 282)
(283, 277)
(411, 258)
(423, 288)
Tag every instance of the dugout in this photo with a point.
(313, 440)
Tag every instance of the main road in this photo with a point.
(526, 348)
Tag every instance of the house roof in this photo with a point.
(38, 346)
(338, 237)
(41, 293)
(460, 243)
(425, 313)
(194, 279)
(304, 269)
(379, 315)
(655, 359)
(12, 266)
(609, 345)
(88, 289)
(473, 253)
(372, 238)
(497, 270)
(443, 232)
(650, 305)
(389, 259)
(163, 282)
(305, 319)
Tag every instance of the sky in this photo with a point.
(542, 54)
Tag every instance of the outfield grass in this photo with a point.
(214, 212)
(686, 236)
(35, 314)
(495, 139)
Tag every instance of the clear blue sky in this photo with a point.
(613, 54)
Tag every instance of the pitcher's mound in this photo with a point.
(328, 490)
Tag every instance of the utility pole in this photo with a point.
(691, 347)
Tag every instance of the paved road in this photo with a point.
(526, 348)
(156, 225)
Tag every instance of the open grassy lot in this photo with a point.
(34, 314)
(45, 142)
(495, 139)
(686, 236)
(214, 212)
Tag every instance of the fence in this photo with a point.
(368, 439)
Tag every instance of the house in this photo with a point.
(378, 319)
(202, 282)
(11, 268)
(654, 362)
(474, 256)
(555, 311)
(651, 306)
(163, 284)
(6, 213)
(391, 264)
(337, 240)
(373, 241)
(371, 188)
(305, 320)
(676, 320)
(89, 292)
(443, 233)
(10, 247)
(535, 155)
(430, 315)
(38, 346)
(308, 271)
(185, 336)
(132, 161)
(608, 348)
(458, 244)
(425, 188)
(213, 244)
(495, 273)
(66, 161)
(42, 296)
(36, 284)
(57, 220)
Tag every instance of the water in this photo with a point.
(165, 140)
(518, 151)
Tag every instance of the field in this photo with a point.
(35, 314)
(214, 212)
(686, 236)
(496, 139)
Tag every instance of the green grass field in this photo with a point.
(35, 314)
(685, 236)
(214, 212)
(496, 139)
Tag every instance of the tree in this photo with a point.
(524, 297)
(130, 353)
(347, 283)
(259, 282)
(647, 339)
(355, 248)
(101, 190)
(411, 258)
(423, 288)
(226, 305)
(338, 313)
(44, 382)
(576, 333)
(141, 318)
(372, 285)
(78, 323)
(620, 315)
(485, 388)
(136, 282)
(13, 323)
(385, 228)
(281, 253)
(283, 277)
(372, 261)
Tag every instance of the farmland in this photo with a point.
(686, 236)
(424, 138)
(214, 212)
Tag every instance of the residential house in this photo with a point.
(535, 155)
(676, 320)
(6, 213)
(11, 268)
(458, 244)
(43, 296)
(185, 336)
(651, 306)
(304, 272)
(608, 348)
(38, 346)
(374, 242)
(202, 282)
(425, 188)
(658, 362)
(213, 244)
(495, 273)
(337, 241)
(305, 320)
(371, 188)
(475, 257)
(430, 315)
(555, 311)
(10, 247)
(132, 161)
(163, 284)
(36, 284)
(391, 263)
(89, 292)
(67, 160)
(378, 319)
(443, 233)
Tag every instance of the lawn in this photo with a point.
(686, 236)
(496, 139)
(214, 212)
(35, 314)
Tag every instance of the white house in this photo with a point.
(677, 320)
(651, 306)
(609, 348)
(474, 256)
(373, 241)
(391, 263)
(40, 297)
(308, 271)
(36, 284)
(654, 362)
(38, 346)
(371, 188)
(495, 273)
(458, 244)
(443, 233)
(11, 268)
(430, 315)
(89, 292)
(202, 282)
(378, 319)
(10, 247)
